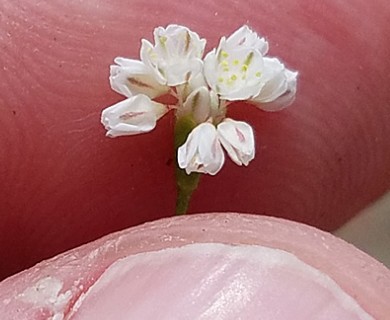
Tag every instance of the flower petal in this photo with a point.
(238, 140)
(245, 37)
(279, 89)
(176, 73)
(135, 115)
(202, 151)
(209, 69)
(287, 98)
(151, 59)
(178, 41)
(274, 79)
(176, 53)
(131, 77)
(194, 82)
(197, 104)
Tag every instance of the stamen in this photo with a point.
(225, 65)
(248, 59)
(163, 40)
(224, 54)
(153, 55)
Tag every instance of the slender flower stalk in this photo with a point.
(237, 70)
(186, 183)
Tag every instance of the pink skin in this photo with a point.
(357, 274)
(64, 183)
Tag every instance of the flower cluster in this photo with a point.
(238, 69)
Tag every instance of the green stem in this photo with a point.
(186, 183)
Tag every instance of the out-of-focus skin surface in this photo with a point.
(63, 183)
(54, 286)
(370, 230)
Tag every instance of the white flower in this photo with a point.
(137, 114)
(197, 105)
(234, 74)
(131, 77)
(177, 52)
(234, 69)
(202, 152)
(237, 70)
(245, 37)
(200, 90)
(278, 86)
(238, 140)
(202, 104)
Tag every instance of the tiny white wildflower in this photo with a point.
(234, 73)
(130, 77)
(177, 52)
(202, 151)
(197, 104)
(238, 140)
(200, 93)
(237, 70)
(280, 86)
(135, 115)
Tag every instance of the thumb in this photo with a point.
(204, 267)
